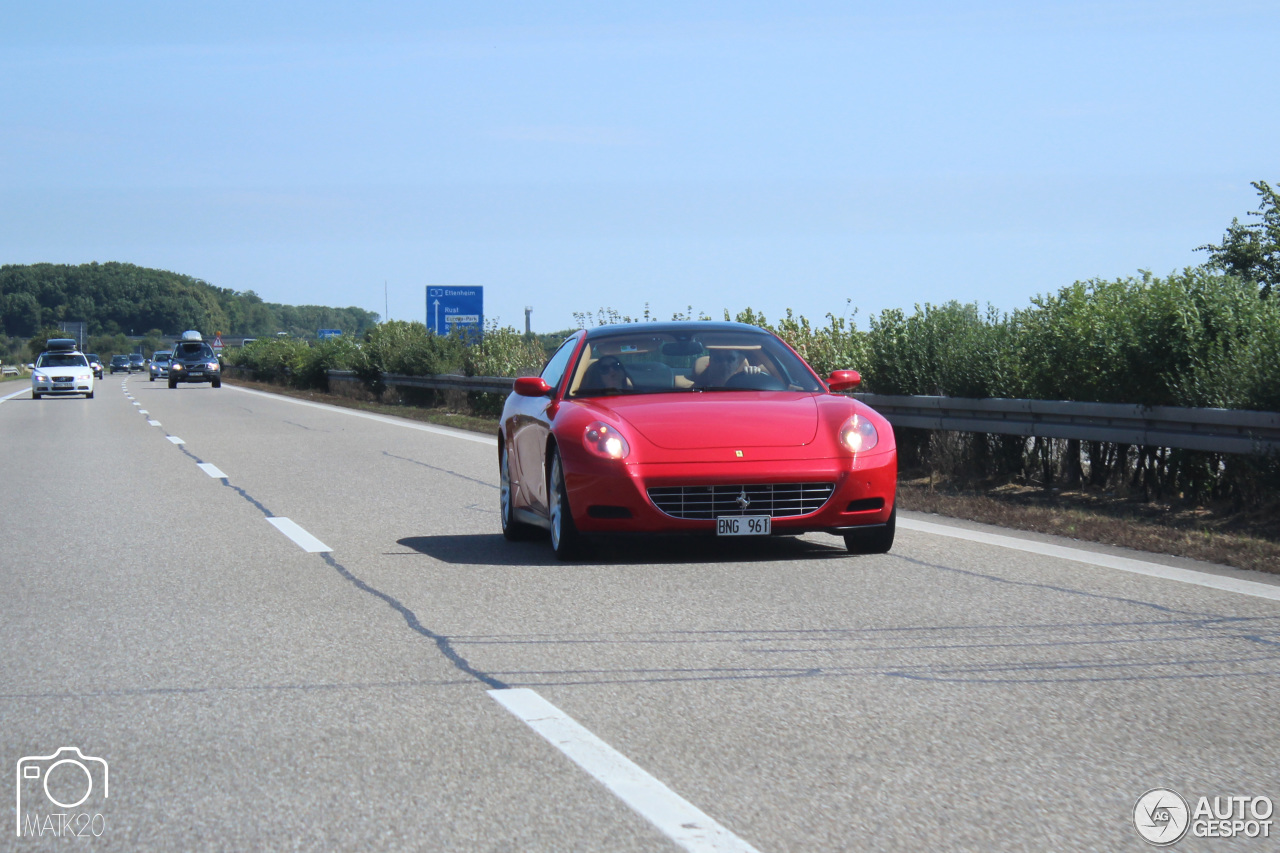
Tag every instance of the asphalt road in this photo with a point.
(384, 672)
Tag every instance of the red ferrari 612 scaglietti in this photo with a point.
(701, 428)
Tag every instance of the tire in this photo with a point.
(216, 383)
(512, 530)
(173, 383)
(35, 396)
(566, 542)
(153, 379)
(877, 540)
(89, 396)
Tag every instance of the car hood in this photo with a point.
(737, 419)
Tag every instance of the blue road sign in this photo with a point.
(324, 334)
(450, 308)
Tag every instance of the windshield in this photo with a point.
(62, 359)
(666, 362)
(160, 357)
(189, 351)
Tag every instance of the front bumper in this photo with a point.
(202, 374)
(614, 498)
(64, 388)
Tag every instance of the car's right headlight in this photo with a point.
(858, 434)
(603, 440)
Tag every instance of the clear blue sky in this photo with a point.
(577, 155)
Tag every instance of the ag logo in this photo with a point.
(1161, 817)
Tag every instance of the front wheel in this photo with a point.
(35, 396)
(89, 396)
(153, 379)
(513, 530)
(565, 539)
(877, 540)
(217, 383)
(173, 383)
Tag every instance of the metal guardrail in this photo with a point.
(437, 382)
(1212, 430)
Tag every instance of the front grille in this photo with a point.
(64, 379)
(777, 500)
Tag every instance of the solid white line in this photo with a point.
(300, 537)
(15, 394)
(211, 469)
(455, 433)
(175, 439)
(674, 816)
(1106, 561)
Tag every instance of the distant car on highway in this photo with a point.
(119, 363)
(95, 361)
(193, 360)
(160, 364)
(61, 370)
(137, 362)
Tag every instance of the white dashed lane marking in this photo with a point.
(300, 537)
(210, 469)
(677, 818)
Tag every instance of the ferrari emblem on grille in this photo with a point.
(743, 501)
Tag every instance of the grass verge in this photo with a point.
(1242, 540)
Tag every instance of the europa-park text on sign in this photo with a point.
(450, 308)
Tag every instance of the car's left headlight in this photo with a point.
(213, 365)
(858, 434)
(604, 441)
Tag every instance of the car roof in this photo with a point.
(678, 327)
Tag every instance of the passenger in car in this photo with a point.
(605, 376)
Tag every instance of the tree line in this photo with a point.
(124, 299)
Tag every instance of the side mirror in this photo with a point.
(844, 380)
(532, 386)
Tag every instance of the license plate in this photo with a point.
(742, 525)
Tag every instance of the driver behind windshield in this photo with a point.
(722, 364)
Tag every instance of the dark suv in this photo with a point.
(194, 361)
